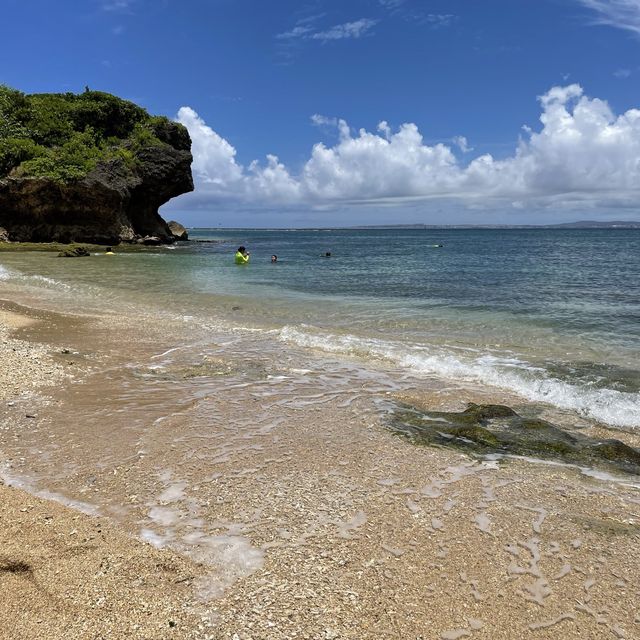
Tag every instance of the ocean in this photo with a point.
(548, 316)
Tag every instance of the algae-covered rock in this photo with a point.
(485, 429)
(74, 252)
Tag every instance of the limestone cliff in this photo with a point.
(99, 176)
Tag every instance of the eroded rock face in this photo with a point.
(111, 204)
(491, 428)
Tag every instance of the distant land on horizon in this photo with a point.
(582, 224)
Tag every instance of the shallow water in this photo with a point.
(266, 459)
(552, 316)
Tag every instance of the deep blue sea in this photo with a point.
(552, 316)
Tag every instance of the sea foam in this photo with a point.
(607, 406)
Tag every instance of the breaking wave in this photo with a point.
(608, 406)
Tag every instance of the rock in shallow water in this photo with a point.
(488, 428)
(179, 232)
(74, 252)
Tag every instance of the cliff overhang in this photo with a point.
(111, 195)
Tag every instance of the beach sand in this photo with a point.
(320, 524)
(68, 574)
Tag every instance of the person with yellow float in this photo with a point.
(242, 256)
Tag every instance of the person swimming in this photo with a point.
(242, 256)
(274, 258)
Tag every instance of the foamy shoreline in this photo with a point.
(65, 574)
(363, 535)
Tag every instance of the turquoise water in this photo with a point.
(550, 315)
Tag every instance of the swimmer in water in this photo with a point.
(242, 256)
(274, 258)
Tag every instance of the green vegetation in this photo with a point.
(64, 136)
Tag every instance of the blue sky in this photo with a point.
(454, 81)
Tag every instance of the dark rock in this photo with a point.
(74, 252)
(112, 204)
(616, 451)
(179, 232)
(481, 412)
(484, 429)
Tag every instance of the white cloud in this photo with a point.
(117, 5)
(217, 175)
(582, 153)
(439, 19)
(214, 159)
(299, 31)
(347, 30)
(462, 144)
(323, 121)
(355, 29)
(623, 14)
(622, 73)
(391, 4)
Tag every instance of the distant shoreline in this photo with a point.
(447, 227)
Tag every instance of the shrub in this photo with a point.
(63, 136)
(14, 111)
(14, 151)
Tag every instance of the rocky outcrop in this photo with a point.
(113, 203)
(74, 252)
(178, 231)
(492, 428)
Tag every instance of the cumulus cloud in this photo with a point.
(623, 14)
(323, 121)
(581, 152)
(214, 159)
(462, 144)
(218, 176)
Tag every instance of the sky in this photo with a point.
(328, 112)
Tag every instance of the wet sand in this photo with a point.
(288, 507)
(64, 573)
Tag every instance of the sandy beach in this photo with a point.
(65, 573)
(318, 523)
